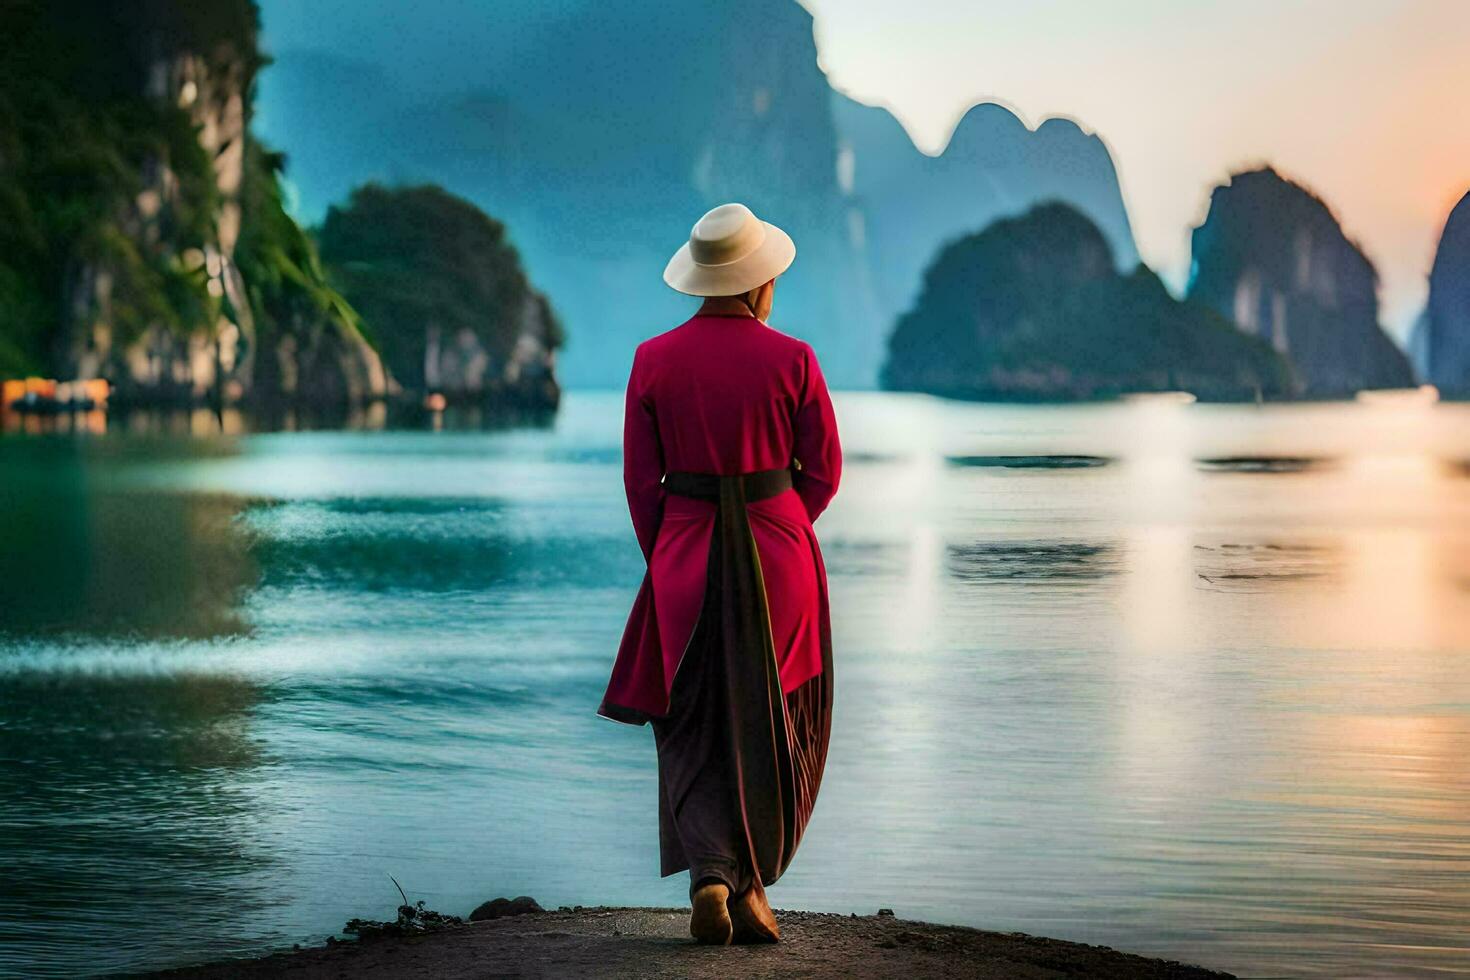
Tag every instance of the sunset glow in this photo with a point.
(1362, 102)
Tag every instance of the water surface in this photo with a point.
(1187, 680)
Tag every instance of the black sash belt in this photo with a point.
(706, 486)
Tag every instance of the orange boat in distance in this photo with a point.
(45, 395)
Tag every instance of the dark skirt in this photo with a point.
(739, 761)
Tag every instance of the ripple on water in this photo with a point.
(415, 506)
(1254, 566)
(1033, 561)
(863, 458)
(126, 793)
(865, 559)
(1045, 462)
(1263, 464)
(377, 544)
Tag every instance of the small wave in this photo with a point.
(1262, 464)
(413, 506)
(601, 455)
(1039, 561)
(863, 559)
(1247, 566)
(1045, 462)
(870, 457)
(80, 656)
(404, 693)
(402, 562)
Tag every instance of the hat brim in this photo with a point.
(772, 257)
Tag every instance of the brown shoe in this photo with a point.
(753, 918)
(709, 921)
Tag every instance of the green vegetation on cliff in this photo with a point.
(112, 201)
(294, 311)
(76, 135)
(1031, 308)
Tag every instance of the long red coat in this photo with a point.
(726, 395)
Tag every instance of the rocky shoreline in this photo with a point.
(652, 944)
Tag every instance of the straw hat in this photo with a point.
(729, 252)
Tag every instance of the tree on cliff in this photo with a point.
(1033, 308)
(434, 276)
(307, 344)
(1272, 257)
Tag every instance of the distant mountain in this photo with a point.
(1271, 257)
(1033, 308)
(598, 132)
(599, 138)
(444, 296)
(1443, 332)
(993, 167)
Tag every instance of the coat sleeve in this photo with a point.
(643, 459)
(818, 451)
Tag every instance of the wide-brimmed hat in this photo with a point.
(730, 251)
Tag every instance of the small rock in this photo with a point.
(887, 912)
(499, 908)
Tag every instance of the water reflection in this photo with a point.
(80, 556)
(1211, 716)
(203, 422)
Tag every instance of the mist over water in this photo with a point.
(1188, 680)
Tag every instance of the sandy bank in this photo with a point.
(654, 943)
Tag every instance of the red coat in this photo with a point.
(727, 395)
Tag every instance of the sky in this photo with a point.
(1366, 102)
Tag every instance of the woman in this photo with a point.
(730, 452)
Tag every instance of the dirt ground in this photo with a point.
(652, 944)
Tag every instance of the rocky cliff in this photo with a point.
(600, 131)
(444, 295)
(1443, 333)
(130, 181)
(1034, 308)
(907, 203)
(1271, 256)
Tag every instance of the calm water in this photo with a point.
(1185, 708)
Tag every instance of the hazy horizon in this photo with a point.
(1356, 101)
(1168, 89)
